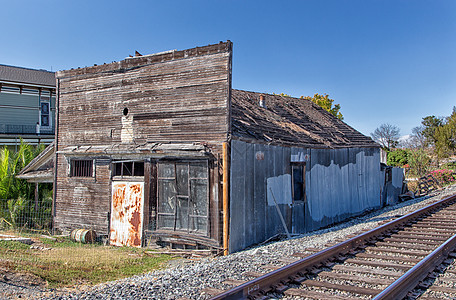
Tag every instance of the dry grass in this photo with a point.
(412, 185)
(68, 264)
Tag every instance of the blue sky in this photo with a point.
(383, 61)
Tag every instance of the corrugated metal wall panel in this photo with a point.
(259, 181)
(393, 189)
(237, 200)
(339, 183)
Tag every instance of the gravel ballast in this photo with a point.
(189, 278)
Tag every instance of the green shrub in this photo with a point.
(397, 158)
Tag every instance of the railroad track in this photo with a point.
(408, 257)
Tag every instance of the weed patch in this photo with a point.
(67, 263)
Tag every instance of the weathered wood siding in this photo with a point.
(340, 183)
(83, 202)
(177, 100)
(180, 96)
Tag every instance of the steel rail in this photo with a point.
(407, 282)
(296, 270)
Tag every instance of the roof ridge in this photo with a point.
(25, 68)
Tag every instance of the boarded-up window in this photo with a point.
(298, 171)
(183, 196)
(81, 168)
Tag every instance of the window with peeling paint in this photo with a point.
(183, 196)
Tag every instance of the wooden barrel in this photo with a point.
(83, 235)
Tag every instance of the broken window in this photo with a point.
(388, 175)
(81, 168)
(298, 183)
(128, 168)
(183, 196)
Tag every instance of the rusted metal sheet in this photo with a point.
(127, 207)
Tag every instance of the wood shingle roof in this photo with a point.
(291, 121)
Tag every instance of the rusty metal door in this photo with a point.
(127, 208)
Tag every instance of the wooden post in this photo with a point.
(225, 199)
(37, 195)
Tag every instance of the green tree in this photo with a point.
(431, 123)
(326, 103)
(445, 137)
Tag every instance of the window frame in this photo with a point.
(122, 163)
(76, 164)
(303, 170)
(45, 98)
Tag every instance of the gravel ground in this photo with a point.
(188, 278)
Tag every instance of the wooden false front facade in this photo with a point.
(139, 147)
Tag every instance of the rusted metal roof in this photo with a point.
(290, 121)
(27, 76)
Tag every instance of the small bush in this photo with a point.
(397, 158)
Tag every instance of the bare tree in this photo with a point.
(418, 139)
(386, 135)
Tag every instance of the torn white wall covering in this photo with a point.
(280, 186)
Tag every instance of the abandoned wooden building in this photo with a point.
(161, 148)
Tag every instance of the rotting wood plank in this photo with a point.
(234, 282)
(388, 257)
(367, 271)
(317, 295)
(443, 289)
(271, 267)
(253, 274)
(340, 287)
(288, 260)
(380, 264)
(405, 245)
(212, 291)
(356, 278)
(399, 251)
(412, 241)
(424, 237)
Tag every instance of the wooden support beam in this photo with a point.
(225, 199)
